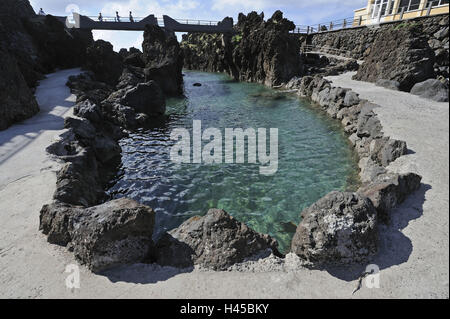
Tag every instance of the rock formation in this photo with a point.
(163, 60)
(215, 241)
(432, 89)
(399, 54)
(115, 233)
(394, 52)
(17, 102)
(106, 64)
(339, 228)
(31, 46)
(261, 51)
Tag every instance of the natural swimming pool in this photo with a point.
(314, 158)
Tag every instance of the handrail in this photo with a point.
(160, 20)
(352, 22)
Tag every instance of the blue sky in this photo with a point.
(302, 12)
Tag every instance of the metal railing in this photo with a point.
(114, 19)
(352, 22)
(160, 20)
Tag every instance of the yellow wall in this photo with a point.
(363, 14)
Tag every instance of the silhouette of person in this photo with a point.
(131, 17)
(117, 16)
(100, 17)
(41, 12)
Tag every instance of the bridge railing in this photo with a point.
(197, 22)
(114, 19)
(160, 20)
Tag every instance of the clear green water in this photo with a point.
(314, 159)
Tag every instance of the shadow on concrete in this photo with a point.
(394, 247)
(168, 258)
(144, 273)
(23, 134)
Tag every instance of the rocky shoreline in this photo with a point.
(123, 91)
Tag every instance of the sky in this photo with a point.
(302, 12)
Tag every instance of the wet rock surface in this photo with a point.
(214, 241)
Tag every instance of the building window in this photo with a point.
(385, 6)
(436, 3)
(408, 5)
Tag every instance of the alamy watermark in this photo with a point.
(259, 148)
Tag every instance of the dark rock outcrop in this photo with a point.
(339, 228)
(17, 102)
(106, 64)
(432, 89)
(163, 59)
(104, 236)
(358, 43)
(146, 98)
(91, 153)
(215, 241)
(261, 51)
(31, 46)
(399, 54)
(387, 191)
(376, 151)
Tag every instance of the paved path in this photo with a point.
(423, 221)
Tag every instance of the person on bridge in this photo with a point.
(131, 17)
(100, 17)
(117, 16)
(41, 12)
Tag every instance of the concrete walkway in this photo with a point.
(423, 221)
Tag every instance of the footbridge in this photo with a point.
(138, 24)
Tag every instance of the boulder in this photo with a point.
(106, 64)
(163, 59)
(215, 241)
(386, 150)
(368, 124)
(432, 89)
(339, 228)
(88, 110)
(104, 236)
(351, 98)
(389, 190)
(145, 98)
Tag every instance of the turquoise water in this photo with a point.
(314, 159)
